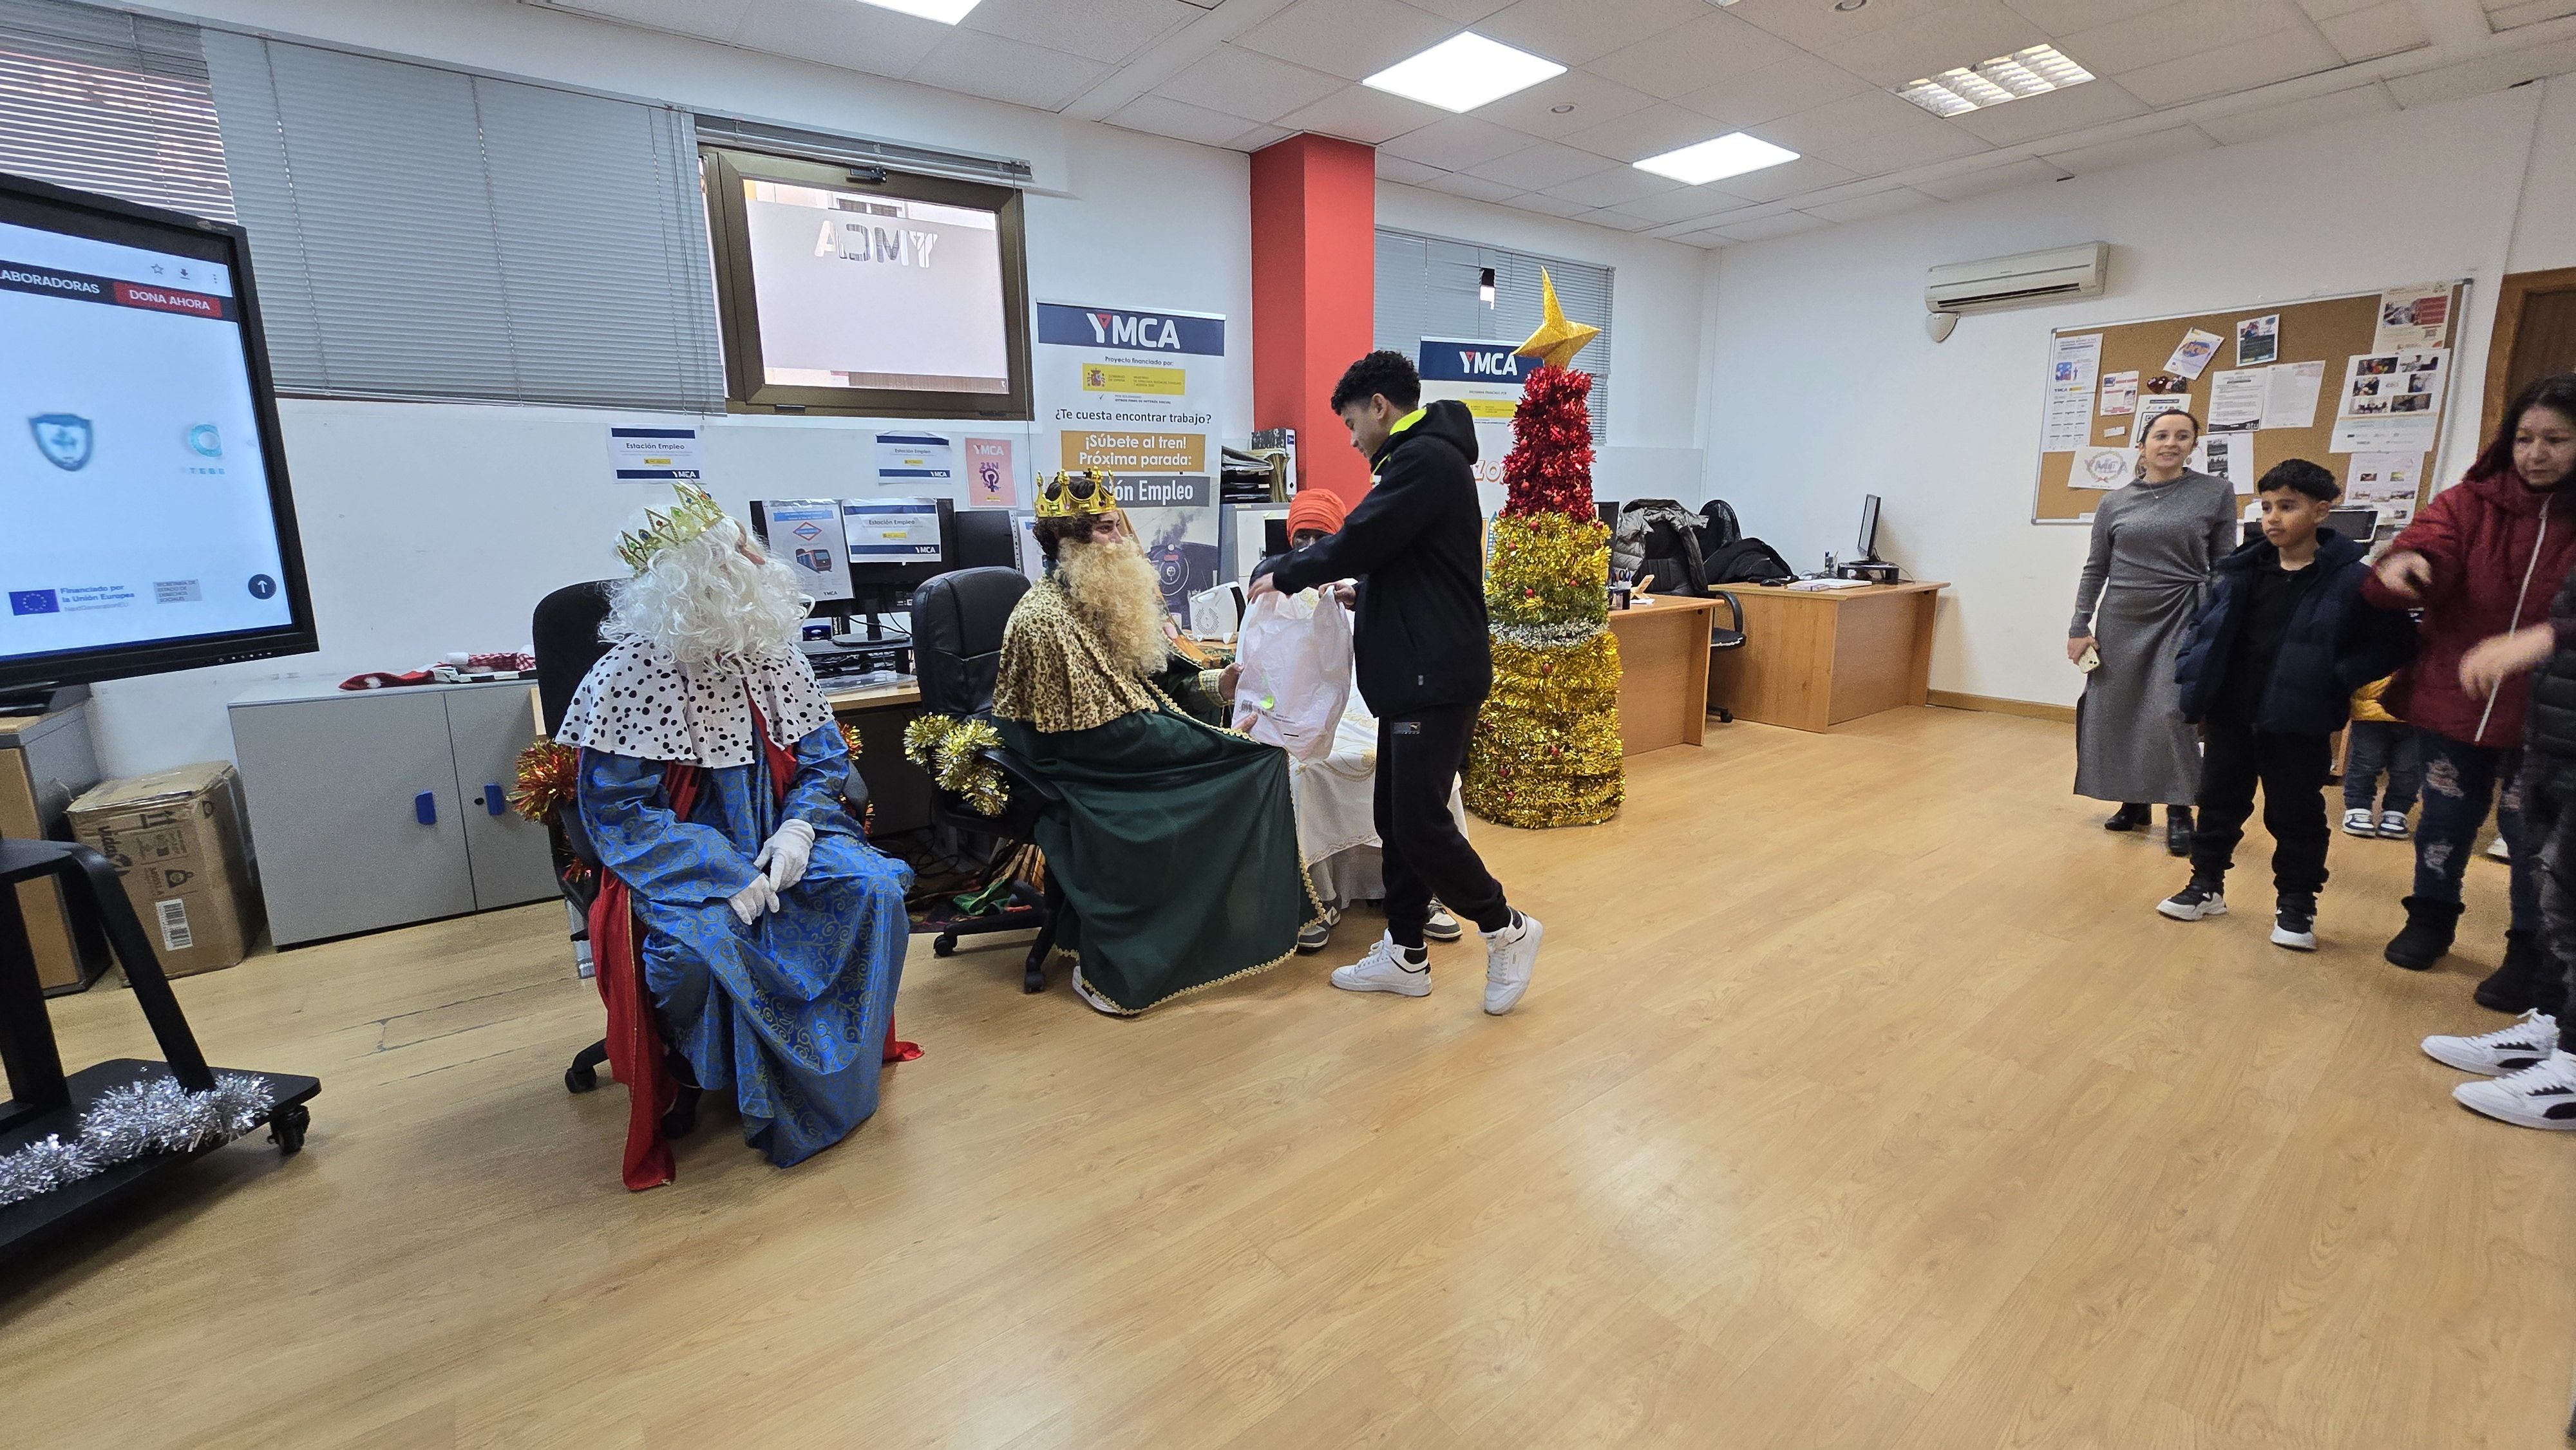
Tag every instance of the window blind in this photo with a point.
(103, 101)
(1427, 287)
(428, 233)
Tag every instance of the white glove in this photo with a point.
(752, 900)
(785, 854)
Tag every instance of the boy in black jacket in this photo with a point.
(1415, 544)
(2268, 671)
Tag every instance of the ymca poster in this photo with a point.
(1487, 377)
(1128, 391)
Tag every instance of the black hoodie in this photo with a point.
(1416, 546)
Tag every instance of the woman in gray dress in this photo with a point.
(2154, 545)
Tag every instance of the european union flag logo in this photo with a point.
(34, 601)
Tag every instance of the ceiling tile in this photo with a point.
(836, 32)
(1106, 30)
(1960, 34)
(2508, 67)
(1474, 188)
(1650, 132)
(714, 19)
(2380, 30)
(2065, 17)
(1164, 117)
(1876, 204)
(1391, 167)
(2329, 9)
(1593, 100)
(1610, 188)
(2352, 105)
(2028, 171)
(1458, 143)
(1575, 32)
(2237, 68)
(1816, 25)
(1853, 118)
(1249, 84)
(1545, 164)
(2187, 27)
(1462, 11)
(2513, 14)
(1357, 113)
(1617, 220)
(1688, 204)
(976, 64)
(2133, 151)
(1257, 138)
(2054, 114)
(1779, 89)
(1787, 179)
(1546, 205)
(1693, 57)
(1347, 38)
(1904, 150)
(1706, 241)
(1787, 224)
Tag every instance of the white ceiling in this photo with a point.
(1649, 75)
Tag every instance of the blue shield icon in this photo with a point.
(64, 438)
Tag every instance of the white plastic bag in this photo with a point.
(1296, 655)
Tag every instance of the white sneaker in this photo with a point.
(2497, 850)
(2392, 825)
(2357, 822)
(1510, 956)
(2540, 1096)
(1316, 935)
(1385, 970)
(1442, 926)
(2195, 901)
(2505, 1051)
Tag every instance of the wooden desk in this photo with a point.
(1663, 671)
(899, 789)
(1814, 659)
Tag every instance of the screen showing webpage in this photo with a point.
(864, 291)
(137, 501)
(892, 531)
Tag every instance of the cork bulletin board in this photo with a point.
(2362, 354)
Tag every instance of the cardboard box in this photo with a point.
(176, 838)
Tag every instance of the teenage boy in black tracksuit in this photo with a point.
(1415, 544)
(2268, 672)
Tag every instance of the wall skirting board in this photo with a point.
(1994, 705)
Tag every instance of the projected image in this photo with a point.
(857, 290)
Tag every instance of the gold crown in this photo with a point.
(694, 514)
(1067, 494)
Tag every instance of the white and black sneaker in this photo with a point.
(2500, 1053)
(2542, 1095)
(1387, 968)
(2199, 899)
(1441, 926)
(2392, 825)
(2294, 923)
(1316, 935)
(2358, 822)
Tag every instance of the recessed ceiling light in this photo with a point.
(1464, 72)
(946, 12)
(2032, 72)
(1732, 154)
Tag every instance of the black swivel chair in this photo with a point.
(957, 622)
(1668, 560)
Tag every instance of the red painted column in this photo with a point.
(1314, 297)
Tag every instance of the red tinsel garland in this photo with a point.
(1550, 467)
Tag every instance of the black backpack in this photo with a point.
(1746, 561)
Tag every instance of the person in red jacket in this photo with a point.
(2483, 558)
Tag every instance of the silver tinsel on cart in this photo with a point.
(130, 1120)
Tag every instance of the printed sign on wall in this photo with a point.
(1129, 391)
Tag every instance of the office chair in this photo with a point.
(957, 622)
(1722, 637)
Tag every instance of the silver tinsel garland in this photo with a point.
(1541, 636)
(130, 1120)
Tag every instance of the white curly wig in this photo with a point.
(707, 600)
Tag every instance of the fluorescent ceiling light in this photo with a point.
(1732, 154)
(2031, 72)
(1464, 72)
(946, 12)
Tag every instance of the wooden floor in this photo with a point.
(1861, 1101)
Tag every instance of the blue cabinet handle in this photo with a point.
(493, 800)
(424, 808)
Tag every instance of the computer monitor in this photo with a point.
(1274, 537)
(805, 534)
(1607, 510)
(987, 539)
(896, 546)
(1869, 528)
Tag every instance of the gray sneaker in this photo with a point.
(1316, 935)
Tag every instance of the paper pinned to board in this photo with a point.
(2386, 482)
(2154, 405)
(2102, 467)
(2193, 353)
(2418, 316)
(2258, 339)
(2236, 397)
(2119, 394)
(2406, 433)
(2229, 456)
(2290, 394)
(2071, 371)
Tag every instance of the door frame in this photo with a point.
(2508, 325)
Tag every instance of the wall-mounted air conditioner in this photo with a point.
(2003, 281)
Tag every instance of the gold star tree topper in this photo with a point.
(1557, 340)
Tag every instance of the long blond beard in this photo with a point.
(1114, 591)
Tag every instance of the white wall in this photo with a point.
(435, 527)
(1825, 386)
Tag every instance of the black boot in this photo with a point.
(2429, 925)
(2522, 981)
(2178, 830)
(2129, 818)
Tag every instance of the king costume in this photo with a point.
(1177, 843)
(694, 776)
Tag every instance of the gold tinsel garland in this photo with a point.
(1546, 569)
(1546, 748)
(546, 777)
(952, 750)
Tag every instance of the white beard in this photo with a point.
(1114, 591)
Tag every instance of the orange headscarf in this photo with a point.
(1319, 509)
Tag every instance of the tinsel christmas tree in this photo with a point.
(1546, 747)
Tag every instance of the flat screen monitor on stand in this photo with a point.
(1869, 530)
(1866, 567)
(896, 546)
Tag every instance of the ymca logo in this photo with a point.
(64, 438)
(1487, 363)
(1133, 329)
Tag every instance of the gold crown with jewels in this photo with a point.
(1067, 494)
(694, 514)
